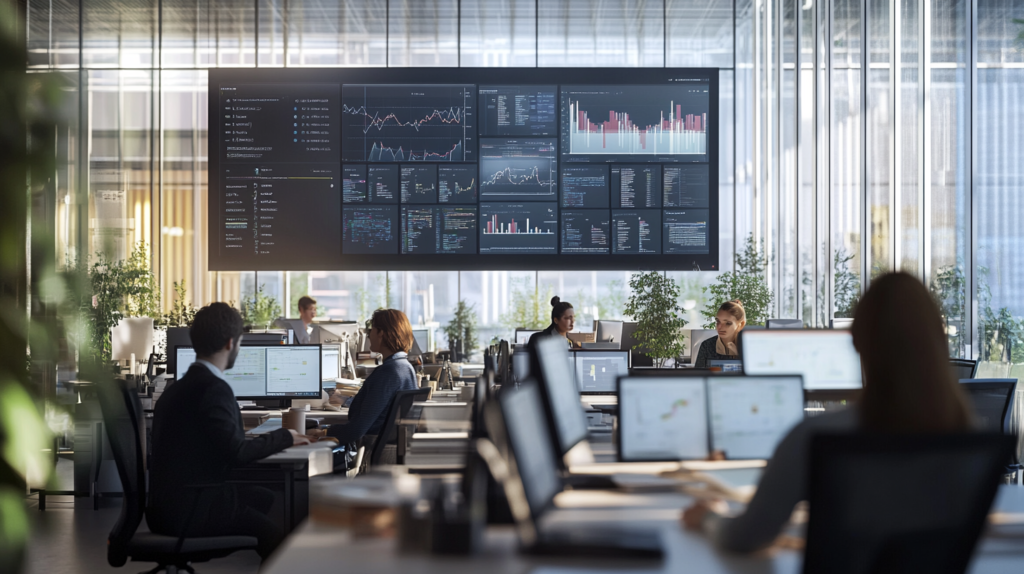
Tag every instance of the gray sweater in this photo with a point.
(782, 486)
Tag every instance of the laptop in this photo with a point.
(531, 480)
(727, 365)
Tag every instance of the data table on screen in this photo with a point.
(636, 186)
(518, 110)
(418, 183)
(585, 186)
(636, 231)
(371, 229)
(293, 371)
(684, 231)
(585, 231)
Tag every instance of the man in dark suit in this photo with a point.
(197, 439)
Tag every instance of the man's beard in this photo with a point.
(234, 354)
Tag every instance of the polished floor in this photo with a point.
(70, 537)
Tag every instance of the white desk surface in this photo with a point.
(315, 547)
(320, 456)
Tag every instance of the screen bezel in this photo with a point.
(319, 371)
(557, 77)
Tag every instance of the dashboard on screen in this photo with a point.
(451, 168)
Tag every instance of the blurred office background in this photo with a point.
(858, 136)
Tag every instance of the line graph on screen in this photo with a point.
(408, 123)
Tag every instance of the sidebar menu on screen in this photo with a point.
(280, 176)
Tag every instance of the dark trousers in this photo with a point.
(250, 519)
(234, 510)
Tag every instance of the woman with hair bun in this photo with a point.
(729, 321)
(563, 321)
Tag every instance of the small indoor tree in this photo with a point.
(182, 311)
(260, 309)
(653, 304)
(462, 328)
(748, 283)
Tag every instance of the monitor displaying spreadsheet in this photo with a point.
(262, 371)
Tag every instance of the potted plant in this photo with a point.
(462, 330)
(653, 304)
(748, 283)
(259, 309)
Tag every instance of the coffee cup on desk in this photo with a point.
(294, 419)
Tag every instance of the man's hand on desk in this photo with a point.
(298, 439)
(693, 517)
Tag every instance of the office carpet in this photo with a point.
(70, 537)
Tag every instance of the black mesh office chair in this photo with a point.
(992, 400)
(884, 504)
(123, 419)
(964, 368)
(388, 436)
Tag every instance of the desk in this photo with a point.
(289, 471)
(253, 418)
(315, 547)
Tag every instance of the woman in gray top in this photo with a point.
(908, 388)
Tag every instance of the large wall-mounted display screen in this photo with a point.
(463, 168)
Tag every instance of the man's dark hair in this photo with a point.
(305, 301)
(213, 326)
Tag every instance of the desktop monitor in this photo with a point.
(749, 415)
(299, 334)
(698, 336)
(825, 358)
(132, 336)
(335, 333)
(785, 324)
(662, 419)
(330, 362)
(268, 371)
(992, 400)
(176, 337)
(638, 357)
(523, 336)
(597, 371)
(422, 338)
(562, 401)
(521, 365)
(727, 365)
(609, 332)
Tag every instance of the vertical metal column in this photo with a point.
(924, 148)
(895, 136)
(971, 351)
(865, 172)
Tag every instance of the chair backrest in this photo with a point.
(991, 399)
(964, 368)
(398, 408)
(785, 324)
(122, 414)
(900, 503)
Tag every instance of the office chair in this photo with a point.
(388, 436)
(123, 419)
(964, 368)
(785, 324)
(871, 511)
(992, 400)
